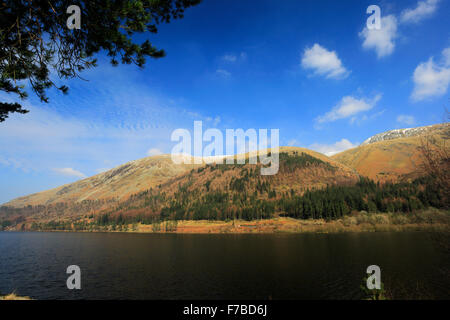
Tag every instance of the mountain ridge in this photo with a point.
(156, 188)
(138, 175)
(153, 170)
(396, 154)
(126, 179)
(300, 170)
(399, 133)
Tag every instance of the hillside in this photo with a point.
(117, 183)
(300, 170)
(402, 133)
(307, 185)
(393, 155)
(149, 185)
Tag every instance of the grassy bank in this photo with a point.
(424, 220)
(429, 220)
(420, 220)
(13, 296)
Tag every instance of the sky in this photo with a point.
(311, 69)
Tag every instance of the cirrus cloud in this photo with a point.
(231, 57)
(223, 73)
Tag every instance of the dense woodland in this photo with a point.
(246, 196)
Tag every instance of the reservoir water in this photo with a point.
(216, 266)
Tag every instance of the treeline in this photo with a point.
(248, 196)
(80, 225)
(290, 163)
(336, 201)
(57, 208)
(104, 223)
(332, 202)
(10, 216)
(7, 221)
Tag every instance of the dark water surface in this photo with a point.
(203, 266)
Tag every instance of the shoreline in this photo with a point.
(435, 222)
(13, 296)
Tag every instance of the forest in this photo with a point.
(331, 203)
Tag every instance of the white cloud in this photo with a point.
(25, 164)
(223, 73)
(424, 9)
(232, 58)
(323, 62)
(408, 120)
(360, 120)
(292, 142)
(446, 56)
(382, 40)
(214, 121)
(153, 152)
(432, 79)
(229, 58)
(331, 149)
(348, 107)
(70, 172)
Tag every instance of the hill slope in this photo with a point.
(393, 155)
(117, 183)
(150, 185)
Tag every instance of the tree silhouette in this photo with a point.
(35, 40)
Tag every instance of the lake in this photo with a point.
(219, 266)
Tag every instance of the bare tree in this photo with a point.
(436, 160)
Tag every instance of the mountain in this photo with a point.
(117, 183)
(149, 185)
(300, 169)
(308, 184)
(403, 133)
(393, 155)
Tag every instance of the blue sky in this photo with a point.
(308, 68)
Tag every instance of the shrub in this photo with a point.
(399, 219)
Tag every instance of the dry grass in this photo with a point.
(432, 220)
(13, 296)
(392, 160)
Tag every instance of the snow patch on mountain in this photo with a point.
(397, 133)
